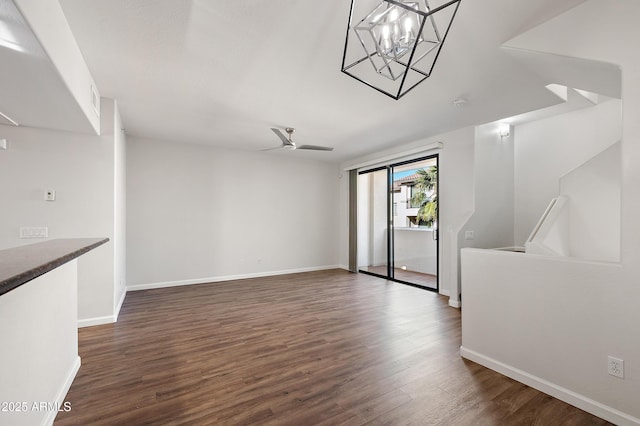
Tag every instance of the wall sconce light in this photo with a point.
(504, 131)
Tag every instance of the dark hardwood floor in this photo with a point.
(418, 278)
(326, 347)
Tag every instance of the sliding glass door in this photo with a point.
(415, 222)
(373, 222)
(398, 222)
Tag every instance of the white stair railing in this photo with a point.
(550, 237)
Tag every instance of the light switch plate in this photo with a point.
(34, 232)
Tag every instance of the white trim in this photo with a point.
(345, 267)
(455, 303)
(88, 322)
(392, 158)
(108, 319)
(119, 305)
(594, 407)
(62, 393)
(149, 286)
(444, 292)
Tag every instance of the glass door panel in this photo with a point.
(414, 192)
(373, 220)
(398, 222)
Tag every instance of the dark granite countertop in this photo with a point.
(19, 265)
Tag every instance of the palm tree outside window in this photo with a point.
(424, 195)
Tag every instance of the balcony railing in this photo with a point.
(415, 249)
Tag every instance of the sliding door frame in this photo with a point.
(391, 226)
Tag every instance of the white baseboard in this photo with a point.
(108, 319)
(88, 322)
(119, 305)
(136, 287)
(445, 292)
(62, 393)
(589, 405)
(455, 303)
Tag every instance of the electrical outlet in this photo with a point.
(616, 367)
(469, 235)
(49, 195)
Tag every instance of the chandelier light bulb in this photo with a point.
(385, 32)
(408, 24)
(393, 15)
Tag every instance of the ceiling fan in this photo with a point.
(289, 144)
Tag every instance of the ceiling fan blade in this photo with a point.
(283, 138)
(315, 147)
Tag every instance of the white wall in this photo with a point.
(39, 352)
(80, 168)
(595, 307)
(491, 216)
(547, 149)
(593, 190)
(523, 317)
(48, 23)
(455, 204)
(197, 213)
(120, 212)
(492, 219)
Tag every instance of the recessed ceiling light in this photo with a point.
(459, 102)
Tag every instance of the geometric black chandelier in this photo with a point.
(392, 45)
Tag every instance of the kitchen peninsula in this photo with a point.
(39, 328)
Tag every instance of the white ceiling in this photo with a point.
(32, 92)
(223, 73)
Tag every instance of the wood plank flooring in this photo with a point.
(319, 348)
(419, 278)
